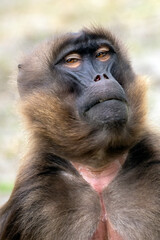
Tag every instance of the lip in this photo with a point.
(101, 93)
(101, 101)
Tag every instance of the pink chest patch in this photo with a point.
(98, 181)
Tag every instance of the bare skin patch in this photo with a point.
(99, 180)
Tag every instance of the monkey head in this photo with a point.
(79, 93)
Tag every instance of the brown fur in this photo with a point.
(50, 199)
(56, 120)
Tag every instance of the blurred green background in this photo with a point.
(25, 23)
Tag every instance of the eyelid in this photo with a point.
(103, 49)
(73, 55)
(103, 54)
(72, 60)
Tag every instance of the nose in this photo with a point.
(100, 77)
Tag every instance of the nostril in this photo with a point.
(97, 78)
(105, 76)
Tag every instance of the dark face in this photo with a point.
(86, 64)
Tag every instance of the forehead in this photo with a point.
(82, 42)
(85, 40)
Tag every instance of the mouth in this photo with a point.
(97, 102)
(104, 104)
(111, 112)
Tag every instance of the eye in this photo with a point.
(73, 60)
(102, 54)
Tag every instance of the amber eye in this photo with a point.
(102, 54)
(73, 60)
